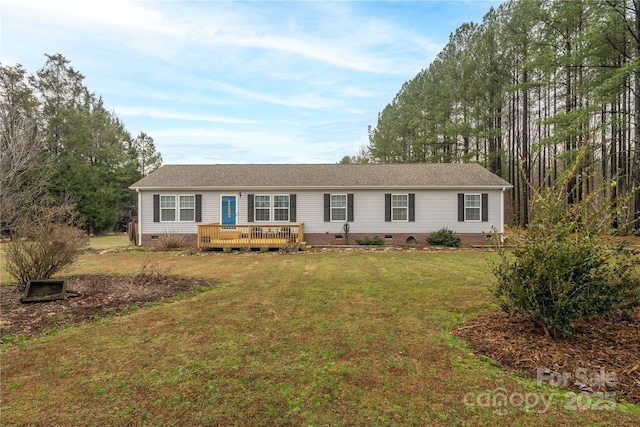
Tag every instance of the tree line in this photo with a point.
(521, 93)
(61, 146)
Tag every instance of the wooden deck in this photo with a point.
(228, 237)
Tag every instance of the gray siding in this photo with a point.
(434, 210)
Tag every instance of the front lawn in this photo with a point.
(315, 338)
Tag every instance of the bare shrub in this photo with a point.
(151, 271)
(44, 241)
(169, 241)
(291, 248)
(192, 250)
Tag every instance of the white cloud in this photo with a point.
(209, 136)
(87, 13)
(236, 81)
(330, 52)
(358, 92)
(172, 115)
(310, 101)
(343, 40)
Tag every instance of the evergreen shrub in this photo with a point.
(562, 268)
(444, 237)
(375, 240)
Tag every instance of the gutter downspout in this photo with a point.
(502, 214)
(139, 217)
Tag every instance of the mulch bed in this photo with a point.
(99, 296)
(603, 356)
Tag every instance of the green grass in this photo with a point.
(314, 339)
(111, 241)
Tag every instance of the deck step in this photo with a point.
(304, 246)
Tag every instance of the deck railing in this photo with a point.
(249, 236)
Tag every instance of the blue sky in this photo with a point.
(239, 81)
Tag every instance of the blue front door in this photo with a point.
(228, 210)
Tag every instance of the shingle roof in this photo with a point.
(228, 176)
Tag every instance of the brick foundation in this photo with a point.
(153, 240)
(321, 239)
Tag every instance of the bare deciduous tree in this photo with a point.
(24, 169)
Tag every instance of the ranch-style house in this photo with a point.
(274, 205)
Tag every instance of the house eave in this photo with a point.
(323, 188)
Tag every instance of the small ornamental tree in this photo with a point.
(44, 241)
(562, 268)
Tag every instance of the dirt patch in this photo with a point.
(603, 356)
(99, 296)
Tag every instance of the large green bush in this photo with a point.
(561, 269)
(554, 283)
(444, 237)
(366, 240)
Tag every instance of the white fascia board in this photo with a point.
(322, 188)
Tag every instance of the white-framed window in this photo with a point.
(262, 207)
(472, 207)
(167, 208)
(281, 207)
(177, 208)
(338, 207)
(187, 208)
(400, 207)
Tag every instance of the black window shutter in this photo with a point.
(250, 208)
(327, 207)
(350, 207)
(387, 207)
(412, 207)
(460, 206)
(292, 208)
(156, 208)
(485, 207)
(198, 207)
